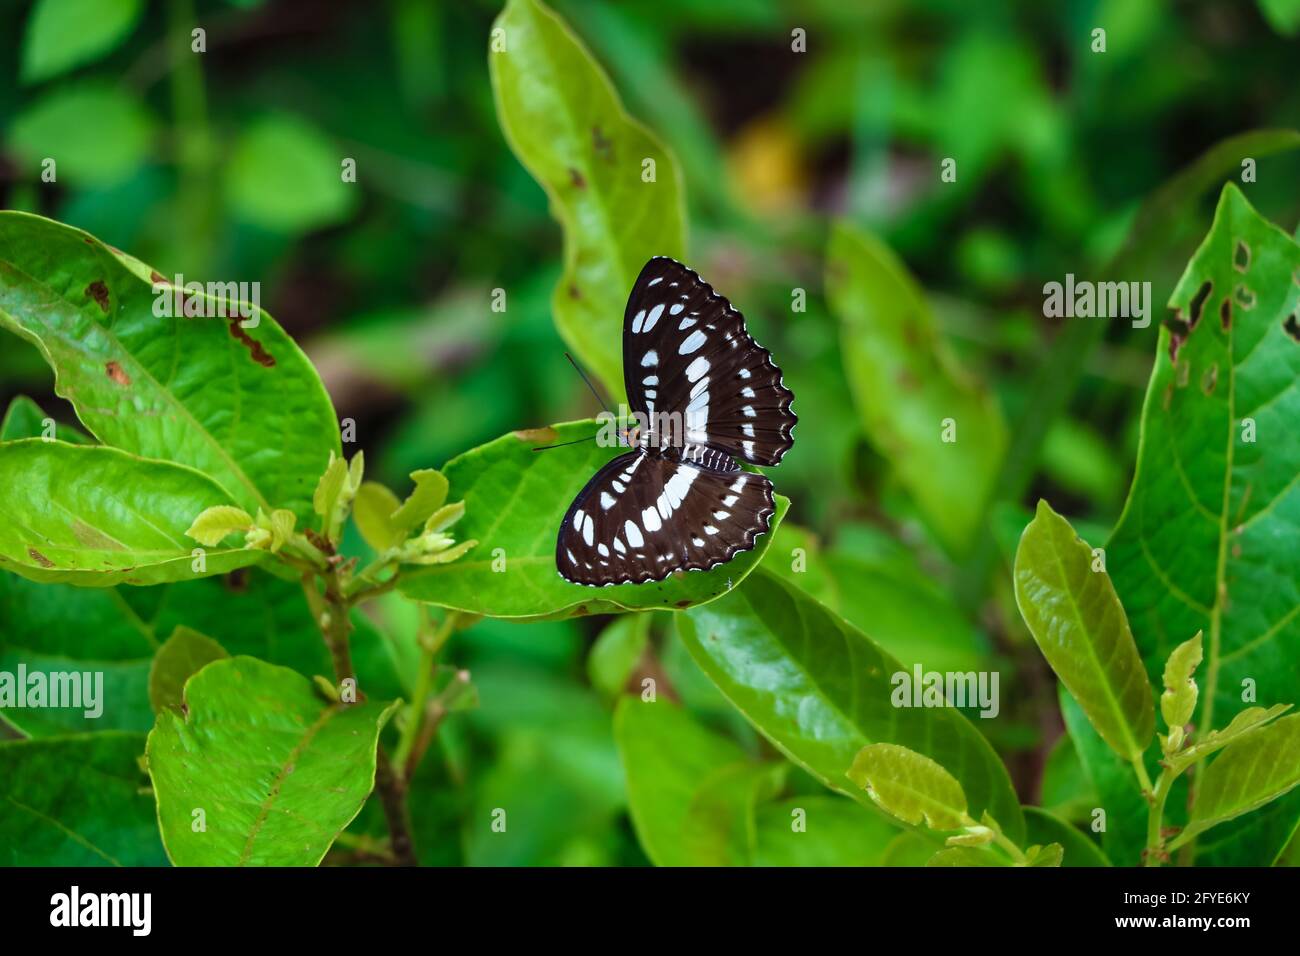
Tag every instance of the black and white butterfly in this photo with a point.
(707, 394)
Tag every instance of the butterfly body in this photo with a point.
(704, 394)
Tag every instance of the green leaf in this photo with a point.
(429, 494)
(1250, 772)
(821, 830)
(1079, 625)
(277, 771)
(96, 134)
(1065, 789)
(910, 786)
(1050, 855)
(1282, 15)
(692, 793)
(95, 516)
(907, 386)
(285, 176)
(1245, 723)
(215, 524)
(1179, 698)
(966, 856)
(76, 801)
(820, 690)
(1114, 789)
(564, 121)
(373, 512)
(182, 656)
(144, 384)
(515, 500)
(1043, 827)
(1203, 542)
(62, 34)
(25, 419)
(617, 652)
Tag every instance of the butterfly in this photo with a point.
(703, 393)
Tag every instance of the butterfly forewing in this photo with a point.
(643, 517)
(686, 352)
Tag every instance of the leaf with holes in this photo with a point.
(941, 430)
(820, 690)
(515, 499)
(277, 770)
(1204, 542)
(96, 516)
(243, 405)
(76, 801)
(613, 186)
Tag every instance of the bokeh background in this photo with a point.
(225, 166)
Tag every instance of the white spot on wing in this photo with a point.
(649, 359)
(692, 342)
(697, 368)
(633, 534)
(652, 318)
(607, 500)
(650, 518)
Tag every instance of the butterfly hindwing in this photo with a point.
(686, 351)
(642, 517)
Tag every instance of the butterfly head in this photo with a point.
(630, 436)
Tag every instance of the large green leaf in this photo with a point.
(1070, 606)
(62, 34)
(243, 405)
(515, 499)
(1249, 773)
(906, 385)
(182, 656)
(563, 119)
(1204, 540)
(95, 516)
(821, 690)
(276, 770)
(76, 801)
(821, 830)
(692, 793)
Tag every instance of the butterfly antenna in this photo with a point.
(576, 441)
(600, 401)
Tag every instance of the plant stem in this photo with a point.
(1144, 780)
(1155, 849)
(430, 645)
(190, 116)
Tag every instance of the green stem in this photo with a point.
(1155, 849)
(1013, 851)
(194, 140)
(430, 645)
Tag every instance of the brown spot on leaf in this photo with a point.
(580, 610)
(574, 291)
(157, 278)
(601, 144)
(683, 603)
(1241, 257)
(536, 435)
(579, 181)
(236, 581)
(117, 373)
(1210, 379)
(1177, 336)
(1225, 313)
(40, 559)
(1245, 297)
(1198, 304)
(259, 355)
(1292, 327)
(99, 292)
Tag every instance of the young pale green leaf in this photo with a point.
(445, 517)
(76, 801)
(910, 786)
(820, 690)
(1204, 539)
(614, 187)
(1178, 701)
(1051, 855)
(967, 856)
(940, 429)
(145, 383)
(62, 34)
(1245, 723)
(1251, 771)
(277, 771)
(1047, 829)
(427, 498)
(373, 513)
(96, 516)
(1079, 625)
(514, 501)
(183, 655)
(25, 419)
(214, 524)
(692, 793)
